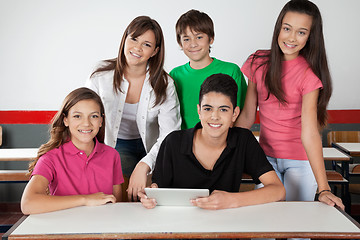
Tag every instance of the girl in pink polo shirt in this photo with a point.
(74, 168)
(291, 85)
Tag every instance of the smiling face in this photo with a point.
(217, 115)
(294, 33)
(84, 121)
(138, 50)
(196, 46)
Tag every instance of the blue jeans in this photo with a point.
(297, 177)
(131, 152)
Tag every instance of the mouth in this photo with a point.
(214, 125)
(135, 55)
(289, 45)
(85, 131)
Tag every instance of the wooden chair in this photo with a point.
(343, 136)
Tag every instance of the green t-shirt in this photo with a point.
(189, 80)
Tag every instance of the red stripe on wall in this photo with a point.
(26, 117)
(45, 117)
(337, 116)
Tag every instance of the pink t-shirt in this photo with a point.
(70, 172)
(280, 125)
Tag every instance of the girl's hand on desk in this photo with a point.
(99, 198)
(145, 201)
(330, 199)
(217, 200)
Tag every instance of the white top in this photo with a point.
(154, 122)
(127, 218)
(128, 128)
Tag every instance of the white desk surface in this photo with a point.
(18, 154)
(132, 220)
(351, 148)
(331, 153)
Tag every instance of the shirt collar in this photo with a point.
(70, 148)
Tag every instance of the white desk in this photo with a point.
(18, 154)
(132, 220)
(353, 149)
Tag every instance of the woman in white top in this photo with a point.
(140, 100)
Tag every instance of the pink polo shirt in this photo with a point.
(70, 172)
(280, 125)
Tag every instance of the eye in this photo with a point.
(185, 39)
(76, 116)
(147, 45)
(286, 29)
(207, 109)
(95, 116)
(302, 33)
(224, 110)
(199, 37)
(133, 39)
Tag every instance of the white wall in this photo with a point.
(48, 48)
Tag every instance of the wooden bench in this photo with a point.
(14, 176)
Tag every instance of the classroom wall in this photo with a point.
(50, 47)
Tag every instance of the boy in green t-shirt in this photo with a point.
(195, 34)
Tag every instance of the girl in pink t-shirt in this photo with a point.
(291, 85)
(74, 167)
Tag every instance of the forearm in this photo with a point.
(313, 147)
(40, 203)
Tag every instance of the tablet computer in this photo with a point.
(175, 196)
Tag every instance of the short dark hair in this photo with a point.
(197, 21)
(220, 83)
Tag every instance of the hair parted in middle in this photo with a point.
(314, 52)
(220, 83)
(158, 77)
(196, 21)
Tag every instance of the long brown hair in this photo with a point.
(59, 133)
(314, 52)
(158, 77)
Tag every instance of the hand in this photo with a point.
(330, 199)
(137, 181)
(99, 198)
(217, 200)
(147, 202)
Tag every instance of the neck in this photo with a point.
(134, 72)
(201, 63)
(210, 142)
(86, 147)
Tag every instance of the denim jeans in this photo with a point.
(131, 152)
(297, 177)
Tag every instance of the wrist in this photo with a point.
(325, 190)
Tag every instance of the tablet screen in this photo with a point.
(175, 196)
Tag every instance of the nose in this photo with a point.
(193, 43)
(86, 122)
(292, 36)
(214, 115)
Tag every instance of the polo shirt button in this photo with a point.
(81, 153)
(119, 111)
(143, 117)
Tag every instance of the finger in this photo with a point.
(135, 194)
(337, 201)
(129, 193)
(154, 185)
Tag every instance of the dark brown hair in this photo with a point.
(158, 77)
(59, 133)
(197, 21)
(314, 52)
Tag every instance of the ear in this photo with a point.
(211, 41)
(155, 51)
(235, 114)
(66, 122)
(198, 109)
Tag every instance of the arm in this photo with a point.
(168, 120)
(248, 113)
(272, 191)
(311, 141)
(36, 200)
(117, 192)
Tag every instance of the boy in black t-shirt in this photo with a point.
(214, 154)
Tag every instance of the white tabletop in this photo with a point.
(128, 219)
(351, 148)
(331, 153)
(18, 154)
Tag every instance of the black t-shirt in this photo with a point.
(177, 167)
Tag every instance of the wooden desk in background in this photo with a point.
(15, 155)
(353, 149)
(132, 220)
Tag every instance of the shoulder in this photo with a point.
(240, 135)
(179, 70)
